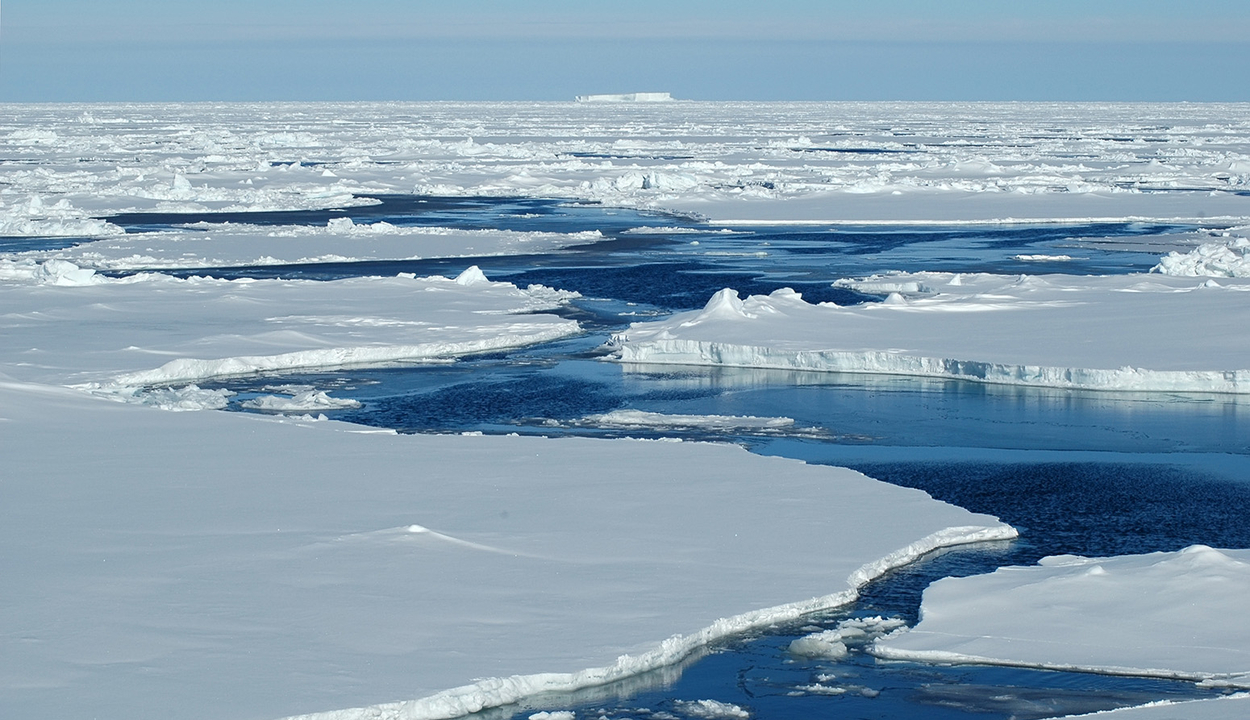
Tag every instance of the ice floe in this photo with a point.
(1133, 332)
(640, 419)
(262, 567)
(232, 245)
(710, 709)
(1231, 707)
(64, 324)
(1169, 615)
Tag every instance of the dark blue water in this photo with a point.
(683, 268)
(1077, 472)
(29, 244)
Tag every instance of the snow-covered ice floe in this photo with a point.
(1230, 707)
(66, 324)
(209, 565)
(1132, 332)
(640, 418)
(232, 245)
(1173, 615)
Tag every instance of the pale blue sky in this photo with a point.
(69, 50)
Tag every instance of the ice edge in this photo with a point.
(495, 692)
(700, 352)
(193, 370)
(1229, 680)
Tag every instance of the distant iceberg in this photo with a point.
(628, 97)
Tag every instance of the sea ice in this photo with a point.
(710, 709)
(118, 335)
(1232, 707)
(209, 565)
(834, 643)
(230, 245)
(1229, 258)
(1163, 614)
(1133, 332)
(303, 401)
(642, 419)
(898, 163)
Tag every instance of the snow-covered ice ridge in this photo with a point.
(67, 165)
(1132, 332)
(264, 567)
(1170, 615)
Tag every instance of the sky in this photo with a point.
(222, 50)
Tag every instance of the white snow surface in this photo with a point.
(1231, 707)
(230, 245)
(1171, 615)
(66, 166)
(1131, 332)
(151, 329)
(209, 565)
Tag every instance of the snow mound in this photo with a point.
(471, 275)
(1218, 259)
(1167, 615)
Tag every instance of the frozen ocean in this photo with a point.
(629, 410)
